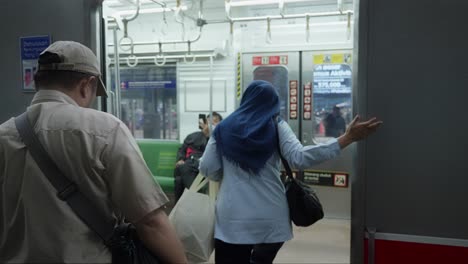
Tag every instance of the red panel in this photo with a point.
(274, 60)
(393, 252)
(257, 60)
(269, 60)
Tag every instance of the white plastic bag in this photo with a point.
(193, 218)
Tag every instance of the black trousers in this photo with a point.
(226, 253)
(184, 176)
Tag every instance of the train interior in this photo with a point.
(396, 197)
(178, 59)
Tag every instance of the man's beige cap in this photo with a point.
(75, 57)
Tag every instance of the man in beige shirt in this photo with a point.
(95, 151)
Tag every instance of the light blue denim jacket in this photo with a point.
(252, 209)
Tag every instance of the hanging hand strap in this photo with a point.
(66, 190)
(283, 160)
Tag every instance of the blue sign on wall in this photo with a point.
(147, 77)
(31, 48)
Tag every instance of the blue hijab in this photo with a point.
(248, 136)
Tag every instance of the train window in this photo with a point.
(332, 86)
(278, 76)
(149, 101)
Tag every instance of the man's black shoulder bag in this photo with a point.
(304, 206)
(122, 240)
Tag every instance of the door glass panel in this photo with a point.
(278, 76)
(149, 101)
(332, 86)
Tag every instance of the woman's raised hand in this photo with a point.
(358, 130)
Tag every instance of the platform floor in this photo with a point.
(326, 242)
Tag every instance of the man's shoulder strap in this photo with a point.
(66, 190)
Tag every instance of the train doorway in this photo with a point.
(311, 85)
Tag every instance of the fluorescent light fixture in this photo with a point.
(263, 2)
(150, 10)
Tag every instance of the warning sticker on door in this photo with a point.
(326, 178)
(341, 180)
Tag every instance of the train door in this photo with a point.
(310, 85)
(282, 70)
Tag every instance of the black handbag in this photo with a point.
(304, 205)
(122, 240)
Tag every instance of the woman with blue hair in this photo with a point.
(252, 214)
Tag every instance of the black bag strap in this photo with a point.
(283, 160)
(66, 190)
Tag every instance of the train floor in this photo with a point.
(326, 242)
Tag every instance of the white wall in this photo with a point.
(194, 91)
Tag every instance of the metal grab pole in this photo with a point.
(211, 94)
(117, 77)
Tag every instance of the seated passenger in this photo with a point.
(189, 154)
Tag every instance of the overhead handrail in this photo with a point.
(160, 55)
(137, 12)
(157, 57)
(281, 4)
(292, 16)
(135, 60)
(164, 25)
(227, 9)
(200, 23)
(125, 37)
(179, 19)
(281, 7)
(231, 33)
(125, 24)
(188, 54)
(190, 62)
(227, 5)
(132, 57)
(149, 43)
(200, 10)
(268, 33)
(340, 6)
(166, 58)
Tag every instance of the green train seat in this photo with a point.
(160, 156)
